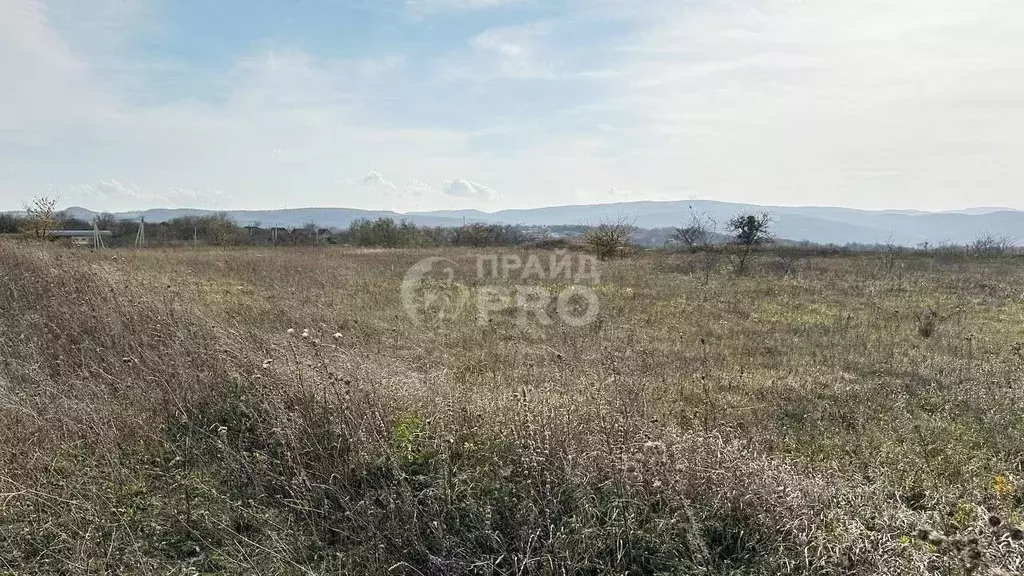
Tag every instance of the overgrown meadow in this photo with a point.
(277, 411)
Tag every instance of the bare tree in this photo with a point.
(220, 229)
(749, 231)
(691, 235)
(41, 216)
(787, 260)
(106, 221)
(890, 253)
(990, 245)
(610, 239)
(700, 234)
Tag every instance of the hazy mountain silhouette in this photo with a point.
(816, 224)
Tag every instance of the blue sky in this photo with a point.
(489, 104)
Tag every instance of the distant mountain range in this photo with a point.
(816, 224)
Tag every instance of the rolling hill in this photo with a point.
(816, 224)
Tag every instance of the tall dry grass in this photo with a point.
(156, 417)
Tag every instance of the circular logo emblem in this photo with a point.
(432, 295)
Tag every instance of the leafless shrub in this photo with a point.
(700, 234)
(890, 255)
(991, 245)
(786, 260)
(927, 323)
(41, 216)
(693, 235)
(948, 253)
(610, 239)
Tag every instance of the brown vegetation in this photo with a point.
(156, 416)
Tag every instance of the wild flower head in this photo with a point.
(1002, 485)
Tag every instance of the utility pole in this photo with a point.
(140, 237)
(97, 238)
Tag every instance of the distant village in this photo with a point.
(221, 230)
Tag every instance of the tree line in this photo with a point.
(740, 236)
(40, 219)
(386, 233)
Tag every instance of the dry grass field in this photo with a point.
(859, 415)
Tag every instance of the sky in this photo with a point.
(413, 105)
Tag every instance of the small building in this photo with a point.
(307, 234)
(79, 233)
(79, 237)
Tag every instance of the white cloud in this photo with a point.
(287, 123)
(375, 192)
(376, 180)
(44, 81)
(515, 52)
(417, 194)
(511, 42)
(464, 188)
(871, 104)
(868, 104)
(418, 187)
(112, 194)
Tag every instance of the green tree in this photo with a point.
(749, 231)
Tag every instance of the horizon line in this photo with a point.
(989, 209)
